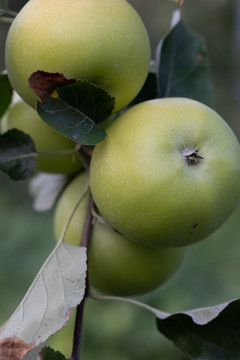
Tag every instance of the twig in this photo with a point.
(80, 309)
(77, 339)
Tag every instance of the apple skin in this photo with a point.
(23, 117)
(117, 265)
(143, 184)
(103, 41)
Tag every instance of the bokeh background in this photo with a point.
(209, 273)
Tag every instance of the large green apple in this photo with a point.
(22, 117)
(103, 41)
(168, 173)
(116, 265)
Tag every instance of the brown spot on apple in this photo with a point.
(193, 228)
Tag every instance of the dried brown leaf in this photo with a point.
(44, 83)
(14, 349)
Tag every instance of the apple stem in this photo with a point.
(85, 239)
(192, 156)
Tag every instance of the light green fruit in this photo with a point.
(116, 265)
(168, 173)
(103, 41)
(22, 117)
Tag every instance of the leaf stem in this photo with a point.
(40, 153)
(17, 157)
(83, 193)
(6, 19)
(60, 152)
(12, 13)
(153, 310)
(7, 11)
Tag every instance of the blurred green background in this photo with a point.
(210, 271)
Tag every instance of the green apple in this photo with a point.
(103, 41)
(116, 265)
(168, 173)
(22, 117)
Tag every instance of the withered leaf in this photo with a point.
(43, 83)
(45, 309)
(14, 349)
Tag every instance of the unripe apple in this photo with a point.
(22, 117)
(103, 41)
(168, 172)
(116, 265)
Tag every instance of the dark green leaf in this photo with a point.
(5, 94)
(49, 354)
(4, 4)
(89, 98)
(17, 154)
(70, 122)
(211, 333)
(148, 91)
(76, 111)
(183, 68)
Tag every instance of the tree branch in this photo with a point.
(77, 339)
(85, 238)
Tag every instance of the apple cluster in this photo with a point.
(167, 174)
(116, 265)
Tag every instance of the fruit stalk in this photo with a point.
(85, 153)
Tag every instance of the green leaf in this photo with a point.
(206, 333)
(76, 111)
(50, 354)
(4, 4)
(91, 99)
(17, 154)
(148, 91)
(183, 67)
(5, 94)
